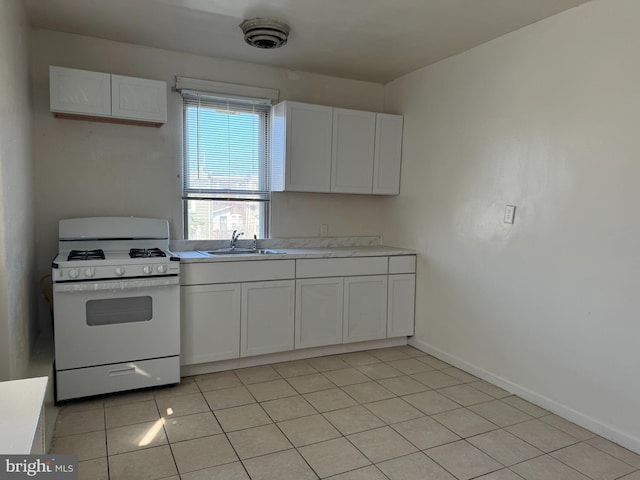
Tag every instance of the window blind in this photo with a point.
(226, 147)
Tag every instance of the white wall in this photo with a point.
(93, 169)
(17, 283)
(301, 214)
(548, 119)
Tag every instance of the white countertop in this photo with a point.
(295, 253)
(20, 406)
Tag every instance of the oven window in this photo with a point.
(113, 311)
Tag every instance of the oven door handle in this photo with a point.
(116, 285)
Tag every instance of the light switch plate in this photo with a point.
(509, 214)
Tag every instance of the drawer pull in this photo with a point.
(123, 371)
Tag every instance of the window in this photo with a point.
(226, 168)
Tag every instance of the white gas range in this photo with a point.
(116, 306)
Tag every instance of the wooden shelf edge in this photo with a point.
(122, 121)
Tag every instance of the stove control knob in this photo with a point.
(89, 272)
(119, 271)
(162, 268)
(147, 269)
(74, 273)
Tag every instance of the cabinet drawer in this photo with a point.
(83, 382)
(402, 264)
(340, 267)
(233, 272)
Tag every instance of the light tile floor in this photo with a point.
(392, 413)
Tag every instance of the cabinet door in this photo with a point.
(401, 311)
(79, 91)
(138, 99)
(301, 149)
(388, 154)
(365, 308)
(210, 323)
(319, 310)
(267, 317)
(353, 148)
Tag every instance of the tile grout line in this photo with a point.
(414, 445)
(173, 455)
(547, 454)
(564, 463)
(367, 430)
(225, 435)
(334, 426)
(357, 367)
(600, 450)
(106, 443)
(273, 422)
(445, 469)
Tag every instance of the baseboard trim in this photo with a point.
(599, 427)
(219, 366)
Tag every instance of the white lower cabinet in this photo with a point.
(401, 308)
(267, 317)
(229, 320)
(330, 301)
(319, 309)
(210, 323)
(365, 308)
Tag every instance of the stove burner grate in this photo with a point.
(146, 253)
(97, 254)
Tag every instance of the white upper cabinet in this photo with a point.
(301, 147)
(388, 154)
(79, 91)
(352, 154)
(138, 98)
(103, 97)
(317, 148)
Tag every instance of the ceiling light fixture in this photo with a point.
(265, 33)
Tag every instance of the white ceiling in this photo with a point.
(374, 40)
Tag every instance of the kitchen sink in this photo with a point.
(242, 251)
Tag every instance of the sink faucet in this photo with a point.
(234, 239)
(255, 243)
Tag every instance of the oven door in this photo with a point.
(115, 321)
